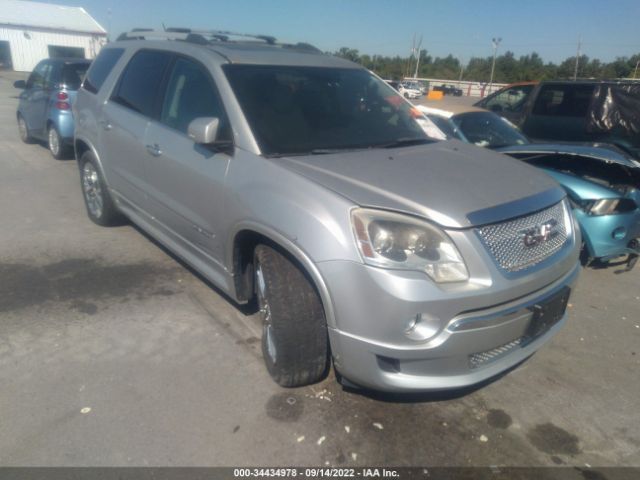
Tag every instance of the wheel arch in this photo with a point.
(243, 240)
(80, 146)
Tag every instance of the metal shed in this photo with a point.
(31, 31)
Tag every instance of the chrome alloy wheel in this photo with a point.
(92, 189)
(54, 142)
(265, 313)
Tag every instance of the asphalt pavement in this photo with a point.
(112, 352)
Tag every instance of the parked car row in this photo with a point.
(304, 183)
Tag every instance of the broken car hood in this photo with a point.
(451, 183)
(607, 155)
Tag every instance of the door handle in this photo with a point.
(154, 150)
(106, 125)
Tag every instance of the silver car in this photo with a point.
(304, 183)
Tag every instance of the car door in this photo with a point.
(123, 123)
(509, 103)
(560, 113)
(35, 98)
(186, 180)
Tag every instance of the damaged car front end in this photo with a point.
(601, 181)
(603, 187)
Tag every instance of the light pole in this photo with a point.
(415, 75)
(496, 44)
(575, 69)
(635, 72)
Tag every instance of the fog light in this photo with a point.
(422, 327)
(619, 233)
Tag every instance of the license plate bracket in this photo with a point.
(547, 313)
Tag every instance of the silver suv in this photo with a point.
(306, 184)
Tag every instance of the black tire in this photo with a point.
(295, 346)
(56, 146)
(23, 130)
(100, 206)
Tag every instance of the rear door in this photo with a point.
(124, 121)
(559, 113)
(35, 98)
(185, 180)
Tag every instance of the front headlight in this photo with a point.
(393, 240)
(607, 206)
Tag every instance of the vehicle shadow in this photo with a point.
(246, 309)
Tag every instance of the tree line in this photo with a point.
(509, 69)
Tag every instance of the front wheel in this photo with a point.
(294, 330)
(23, 130)
(100, 206)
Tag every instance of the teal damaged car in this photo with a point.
(601, 181)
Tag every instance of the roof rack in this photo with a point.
(188, 34)
(208, 37)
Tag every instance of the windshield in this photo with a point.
(301, 110)
(487, 129)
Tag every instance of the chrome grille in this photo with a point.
(513, 243)
(477, 360)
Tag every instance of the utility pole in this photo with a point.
(635, 72)
(418, 57)
(496, 44)
(575, 70)
(413, 47)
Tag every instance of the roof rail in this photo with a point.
(191, 35)
(210, 37)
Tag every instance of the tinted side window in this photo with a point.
(564, 100)
(190, 95)
(511, 100)
(100, 68)
(38, 77)
(139, 84)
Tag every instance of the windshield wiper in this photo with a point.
(406, 142)
(315, 151)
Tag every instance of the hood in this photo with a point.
(451, 183)
(605, 154)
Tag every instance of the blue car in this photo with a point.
(44, 111)
(602, 182)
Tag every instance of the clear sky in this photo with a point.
(609, 28)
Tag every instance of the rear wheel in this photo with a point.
(23, 130)
(294, 331)
(100, 206)
(56, 145)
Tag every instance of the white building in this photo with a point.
(31, 31)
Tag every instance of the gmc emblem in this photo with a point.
(539, 234)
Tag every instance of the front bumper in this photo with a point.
(599, 236)
(481, 335)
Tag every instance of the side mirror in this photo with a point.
(204, 130)
(21, 84)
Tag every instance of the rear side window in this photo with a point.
(72, 75)
(139, 84)
(100, 68)
(564, 100)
